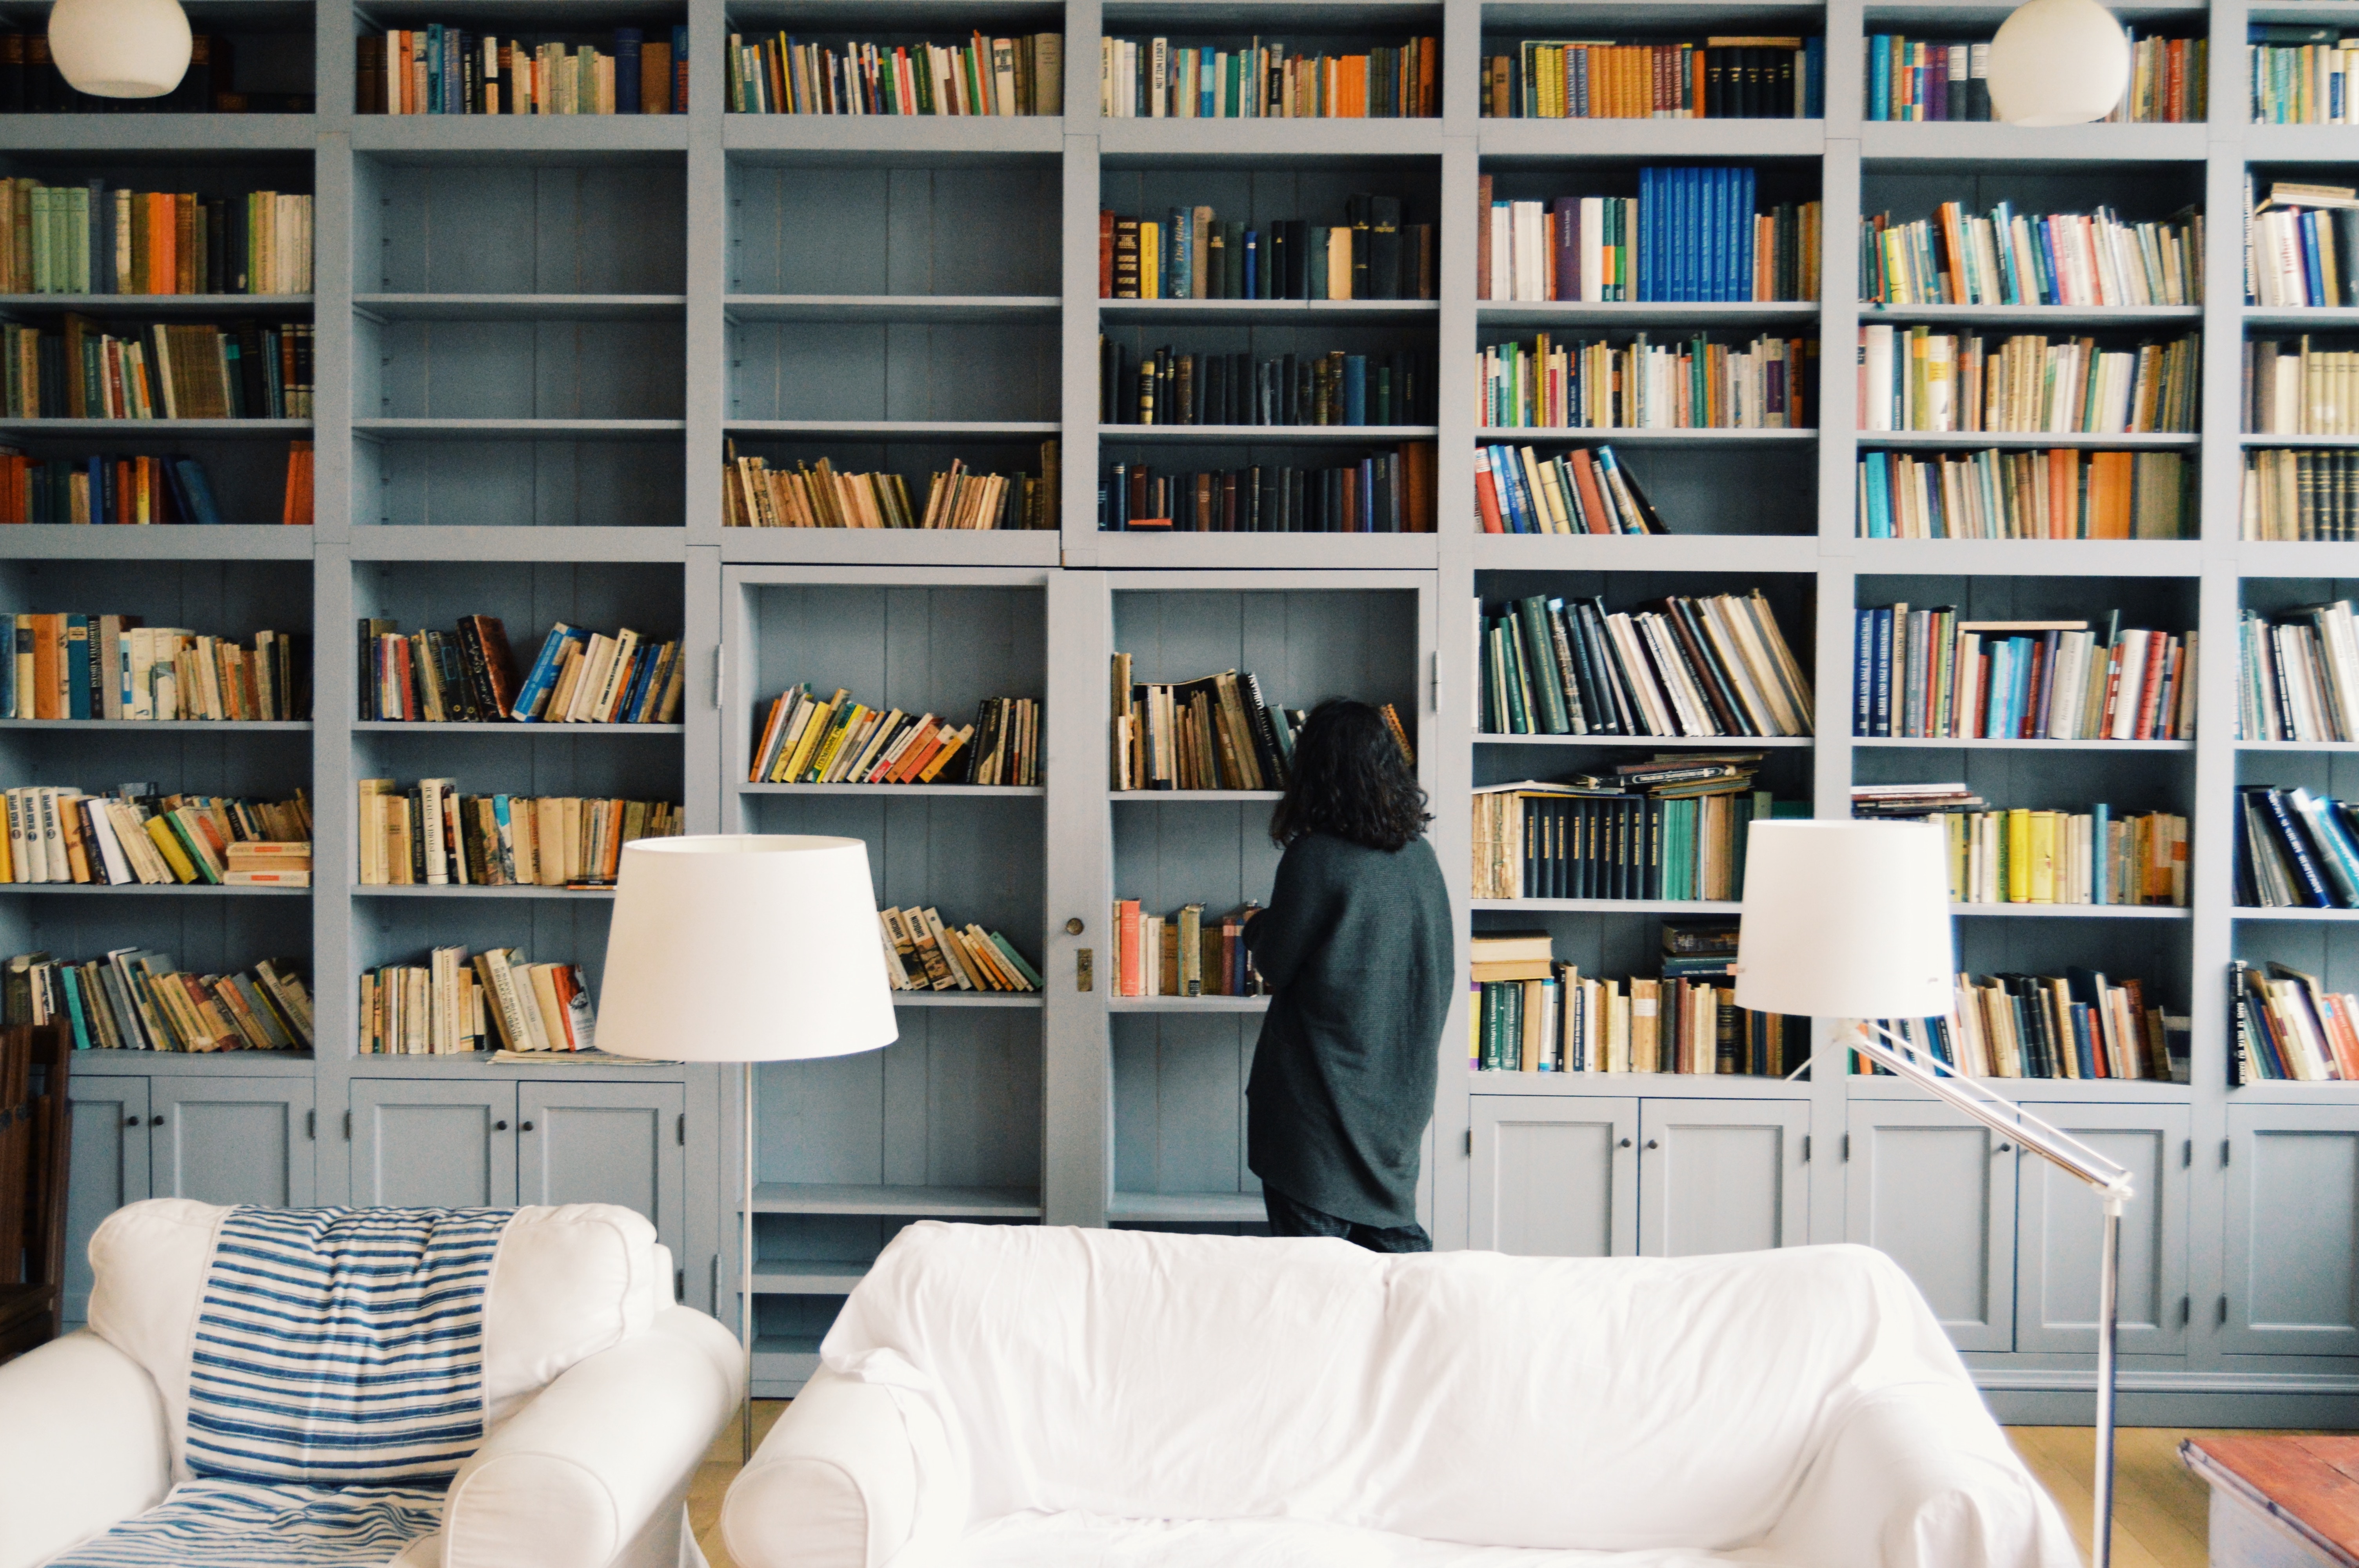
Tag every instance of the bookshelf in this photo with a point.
(533, 337)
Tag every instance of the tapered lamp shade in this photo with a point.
(119, 49)
(2058, 63)
(1844, 920)
(745, 947)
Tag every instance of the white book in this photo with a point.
(54, 838)
(20, 862)
(430, 814)
(1592, 248)
(2132, 688)
(1876, 400)
(1501, 281)
(117, 866)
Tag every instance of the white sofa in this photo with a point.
(1004, 1395)
(601, 1396)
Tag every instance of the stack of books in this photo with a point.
(2295, 849)
(2301, 75)
(1531, 1013)
(109, 666)
(1153, 79)
(451, 1005)
(1671, 828)
(2285, 1024)
(1653, 246)
(1384, 492)
(777, 75)
(1765, 384)
(430, 835)
(2022, 856)
(442, 70)
(1711, 666)
(2060, 493)
(1194, 254)
(2299, 674)
(161, 370)
(2008, 257)
(468, 676)
(1921, 673)
(756, 495)
(96, 239)
(2294, 389)
(135, 999)
(2301, 246)
(1913, 378)
(1183, 953)
(57, 834)
(1333, 388)
(1583, 490)
(1722, 77)
(921, 954)
(2074, 1025)
(267, 863)
(808, 739)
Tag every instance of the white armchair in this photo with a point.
(600, 1394)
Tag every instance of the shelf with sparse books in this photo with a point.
(986, 484)
(821, 69)
(2297, 662)
(996, 370)
(1208, 736)
(1642, 484)
(447, 1002)
(470, 675)
(141, 999)
(431, 834)
(1728, 75)
(1307, 70)
(1268, 482)
(955, 240)
(600, 225)
(424, 62)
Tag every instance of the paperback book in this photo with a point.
(135, 999)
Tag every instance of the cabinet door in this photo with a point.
(109, 1169)
(1721, 1176)
(2293, 1231)
(1555, 1177)
(619, 1143)
(2060, 1228)
(232, 1141)
(1935, 1193)
(434, 1145)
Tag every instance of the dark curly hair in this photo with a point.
(1350, 780)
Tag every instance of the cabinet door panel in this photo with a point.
(434, 1145)
(109, 1169)
(1934, 1192)
(1555, 1178)
(245, 1142)
(2293, 1231)
(2061, 1226)
(615, 1143)
(1720, 1176)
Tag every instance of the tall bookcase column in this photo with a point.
(1078, 346)
(707, 238)
(2212, 868)
(332, 264)
(1077, 1080)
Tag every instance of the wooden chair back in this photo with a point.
(36, 1140)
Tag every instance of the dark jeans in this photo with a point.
(1288, 1217)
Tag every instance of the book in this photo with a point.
(780, 75)
(1925, 671)
(1157, 78)
(1915, 378)
(2297, 673)
(99, 238)
(56, 833)
(1920, 78)
(804, 738)
(2309, 494)
(1214, 732)
(1165, 387)
(431, 834)
(468, 676)
(442, 69)
(159, 370)
(1615, 844)
(77, 666)
(135, 999)
(923, 953)
(1265, 262)
(455, 1005)
(1767, 383)
(1717, 78)
(756, 495)
(1688, 234)
(2026, 856)
(2009, 257)
(1187, 953)
(2078, 1024)
(1381, 492)
(1699, 667)
(2063, 493)
(1554, 1020)
(2300, 75)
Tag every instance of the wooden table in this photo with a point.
(2280, 1501)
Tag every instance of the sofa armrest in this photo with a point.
(835, 1484)
(599, 1456)
(1919, 1476)
(81, 1446)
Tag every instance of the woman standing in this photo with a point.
(1356, 947)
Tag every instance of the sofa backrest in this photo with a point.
(566, 1284)
(1614, 1404)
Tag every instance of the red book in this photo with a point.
(1105, 255)
(2150, 694)
(1129, 974)
(1486, 497)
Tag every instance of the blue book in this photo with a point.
(2043, 256)
(627, 43)
(1748, 196)
(1506, 476)
(2314, 275)
(1879, 493)
(2101, 874)
(1179, 235)
(1814, 79)
(9, 665)
(543, 674)
(434, 68)
(1208, 78)
(1863, 684)
(1355, 389)
(2003, 219)
(678, 96)
(1994, 713)
(1884, 671)
(1729, 239)
(77, 651)
(643, 664)
(1880, 88)
(1650, 221)
(1703, 217)
(198, 489)
(2019, 707)
(1253, 266)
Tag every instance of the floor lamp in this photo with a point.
(1851, 920)
(745, 947)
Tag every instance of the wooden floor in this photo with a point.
(2158, 1506)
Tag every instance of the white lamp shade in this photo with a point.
(745, 947)
(2058, 63)
(119, 49)
(1844, 920)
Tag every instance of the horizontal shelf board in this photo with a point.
(2070, 911)
(1187, 1004)
(2098, 316)
(148, 890)
(2267, 557)
(878, 138)
(121, 428)
(1915, 14)
(801, 1277)
(1659, 552)
(1263, 552)
(2300, 144)
(1973, 142)
(453, 889)
(157, 304)
(1654, 1085)
(1612, 905)
(104, 1063)
(890, 306)
(1261, 435)
(965, 1203)
(1939, 742)
(244, 541)
(1268, 141)
(490, 14)
(1030, 1000)
(507, 727)
(1578, 434)
(2305, 319)
(1637, 315)
(487, 134)
(1879, 1087)
(2267, 1091)
(2034, 557)
(2248, 439)
(1624, 141)
(1203, 1208)
(519, 306)
(1169, 796)
(202, 726)
(214, 133)
(2034, 440)
(519, 430)
(2246, 912)
(515, 544)
(1249, 312)
(882, 790)
(888, 546)
(898, 429)
(1125, 17)
(1652, 742)
(2296, 748)
(478, 1066)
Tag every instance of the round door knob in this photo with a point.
(524, 1127)
(2004, 1148)
(1626, 1143)
(1654, 1144)
(499, 1127)
(130, 1122)
(1074, 926)
(155, 1122)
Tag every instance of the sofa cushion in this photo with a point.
(1033, 1540)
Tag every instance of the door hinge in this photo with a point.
(717, 1282)
(2223, 1311)
(1847, 1148)
(716, 676)
(679, 1129)
(678, 1283)
(2223, 1150)
(2186, 1310)
(1470, 1141)
(1434, 687)
(1806, 1148)
(348, 1127)
(2187, 1155)
(311, 1125)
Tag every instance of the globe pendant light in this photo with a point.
(119, 49)
(2058, 63)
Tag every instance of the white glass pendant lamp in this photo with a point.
(2058, 63)
(119, 49)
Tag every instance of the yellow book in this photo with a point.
(167, 844)
(793, 766)
(2018, 856)
(2043, 857)
(1953, 828)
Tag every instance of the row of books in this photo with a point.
(2300, 75)
(2023, 856)
(136, 999)
(1533, 1014)
(2064, 493)
(2295, 849)
(2284, 1025)
(1194, 254)
(1921, 79)
(2308, 493)
(1166, 387)
(1583, 490)
(1765, 384)
(2078, 1024)
(1723, 77)
(810, 740)
(57, 834)
(1621, 837)
(445, 69)
(2297, 673)
(1914, 378)
(2007, 257)
(74, 666)
(468, 676)
(430, 835)
(96, 239)
(1712, 665)
(160, 370)
(1384, 492)
(1927, 673)
(31, 83)
(756, 495)
(1688, 234)
(452, 1005)
(1217, 731)
(2291, 388)
(120, 489)
(2301, 245)
(921, 954)
(776, 75)
(1184, 953)
(1154, 79)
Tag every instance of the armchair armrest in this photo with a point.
(600, 1457)
(81, 1446)
(837, 1484)
(1918, 1476)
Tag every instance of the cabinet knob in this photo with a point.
(499, 1127)
(524, 1127)
(1075, 926)
(1654, 1144)
(130, 1122)
(2003, 1148)
(1626, 1143)
(155, 1122)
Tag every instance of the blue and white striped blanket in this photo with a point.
(337, 1385)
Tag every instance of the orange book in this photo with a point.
(1130, 972)
(160, 268)
(1697, 90)
(1594, 509)
(48, 679)
(184, 244)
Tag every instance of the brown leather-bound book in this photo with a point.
(654, 78)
